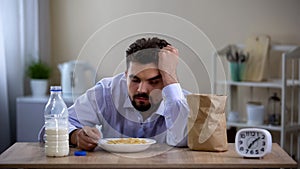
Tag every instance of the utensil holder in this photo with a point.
(236, 71)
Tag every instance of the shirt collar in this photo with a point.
(127, 103)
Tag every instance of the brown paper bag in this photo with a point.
(207, 122)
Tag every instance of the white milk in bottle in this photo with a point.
(56, 125)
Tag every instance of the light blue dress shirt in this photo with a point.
(108, 104)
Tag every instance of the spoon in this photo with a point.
(99, 127)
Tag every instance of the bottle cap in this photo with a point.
(55, 89)
(80, 153)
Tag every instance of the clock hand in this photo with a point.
(250, 145)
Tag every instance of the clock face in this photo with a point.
(253, 142)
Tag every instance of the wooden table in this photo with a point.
(32, 155)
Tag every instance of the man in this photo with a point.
(145, 101)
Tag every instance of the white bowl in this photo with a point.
(125, 148)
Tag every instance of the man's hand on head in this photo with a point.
(167, 64)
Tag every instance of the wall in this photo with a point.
(224, 22)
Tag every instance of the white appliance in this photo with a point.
(76, 77)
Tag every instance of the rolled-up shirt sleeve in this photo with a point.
(176, 114)
(73, 121)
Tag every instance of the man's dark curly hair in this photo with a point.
(145, 50)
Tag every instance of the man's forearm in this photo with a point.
(168, 78)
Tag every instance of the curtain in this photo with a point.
(19, 45)
(4, 120)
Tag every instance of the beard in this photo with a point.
(150, 104)
(140, 105)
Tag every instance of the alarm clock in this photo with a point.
(253, 142)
